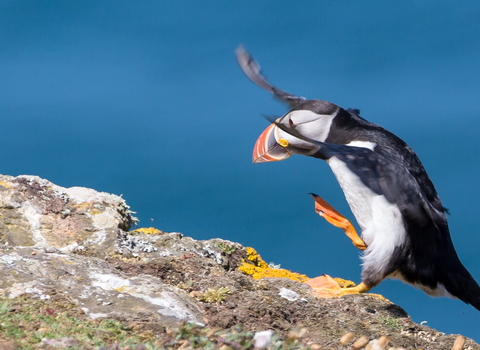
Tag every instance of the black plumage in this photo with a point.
(425, 257)
(428, 256)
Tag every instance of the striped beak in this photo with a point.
(267, 149)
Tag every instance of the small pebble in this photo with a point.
(383, 341)
(459, 343)
(262, 339)
(50, 249)
(347, 338)
(360, 343)
(378, 344)
(298, 332)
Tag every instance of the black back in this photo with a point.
(348, 126)
(428, 256)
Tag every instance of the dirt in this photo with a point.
(257, 305)
(154, 281)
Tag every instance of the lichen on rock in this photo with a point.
(73, 244)
(256, 267)
(147, 231)
(36, 212)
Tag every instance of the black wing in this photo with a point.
(382, 175)
(252, 70)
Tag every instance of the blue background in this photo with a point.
(145, 99)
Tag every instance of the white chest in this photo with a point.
(381, 221)
(359, 197)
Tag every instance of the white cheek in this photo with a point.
(312, 125)
(309, 124)
(317, 130)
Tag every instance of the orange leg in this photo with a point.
(329, 213)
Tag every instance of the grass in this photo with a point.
(192, 336)
(29, 323)
(227, 248)
(215, 295)
(26, 322)
(391, 323)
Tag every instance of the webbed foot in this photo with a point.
(329, 213)
(328, 287)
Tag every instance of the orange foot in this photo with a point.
(328, 287)
(329, 213)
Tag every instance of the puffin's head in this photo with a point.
(311, 119)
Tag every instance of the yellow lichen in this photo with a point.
(95, 212)
(258, 268)
(147, 231)
(5, 184)
(344, 283)
(82, 205)
(123, 289)
(378, 296)
(255, 258)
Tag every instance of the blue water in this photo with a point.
(145, 99)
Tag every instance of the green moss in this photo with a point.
(227, 248)
(391, 323)
(215, 295)
(25, 322)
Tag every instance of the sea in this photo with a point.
(146, 100)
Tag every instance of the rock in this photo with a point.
(96, 287)
(36, 212)
(73, 244)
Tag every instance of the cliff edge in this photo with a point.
(74, 275)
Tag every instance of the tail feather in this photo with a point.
(463, 286)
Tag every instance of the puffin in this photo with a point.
(404, 228)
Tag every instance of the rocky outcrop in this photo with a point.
(74, 243)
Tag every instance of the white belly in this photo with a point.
(439, 291)
(381, 221)
(359, 197)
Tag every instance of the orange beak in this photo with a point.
(267, 149)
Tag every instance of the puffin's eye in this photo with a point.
(292, 124)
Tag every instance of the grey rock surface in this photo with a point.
(36, 212)
(97, 288)
(74, 243)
